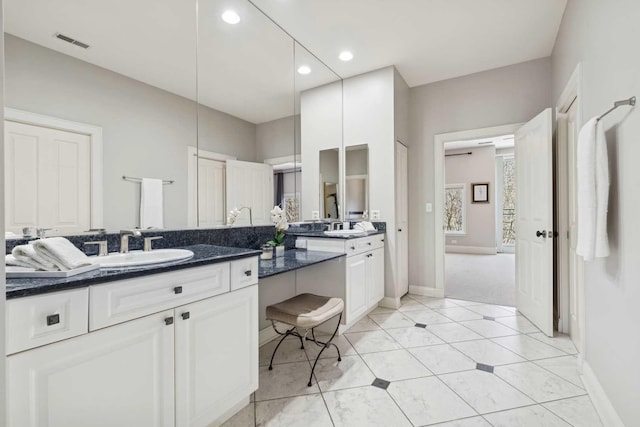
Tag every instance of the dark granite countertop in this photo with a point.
(202, 255)
(320, 234)
(294, 259)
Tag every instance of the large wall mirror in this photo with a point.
(208, 102)
(98, 96)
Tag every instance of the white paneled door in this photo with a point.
(211, 192)
(534, 221)
(47, 178)
(250, 185)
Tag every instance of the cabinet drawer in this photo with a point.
(43, 319)
(244, 272)
(369, 243)
(129, 299)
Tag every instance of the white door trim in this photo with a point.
(571, 93)
(439, 179)
(193, 154)
(94, 133)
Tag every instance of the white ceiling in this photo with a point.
(248, 70)
(428, 40)
(502, 141)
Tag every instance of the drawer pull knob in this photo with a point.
(185, 315)
(168, 321)
(177, 290)
(53, 319)
(247, 273)
(369, 243)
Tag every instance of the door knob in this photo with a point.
(542, 233)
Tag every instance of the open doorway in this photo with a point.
(479, 219)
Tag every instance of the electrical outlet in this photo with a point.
(315, 215)
(429, 207)
(375, 215)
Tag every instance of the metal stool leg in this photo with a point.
(327, 344)
(286, 334)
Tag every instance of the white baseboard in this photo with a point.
(479, 250)
(389, 302)
(426, 291)
(268, 334)
(601, 402)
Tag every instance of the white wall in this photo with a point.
(604, 36)
(146, 130)
(512, 94)
(479, 167)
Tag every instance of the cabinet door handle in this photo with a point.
(185, 315)
(247, 273)
(168, 321)
(177, 290)
(53, 319)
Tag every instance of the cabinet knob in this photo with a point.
(185, 315)
(53, 319)
(353, 248)
(177, 290)
(369, 243)
(247, 273)
(168, 321)
(400, 230)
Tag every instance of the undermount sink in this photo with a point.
(343, 232)
(142, 258)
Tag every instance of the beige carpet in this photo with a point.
(484, 278)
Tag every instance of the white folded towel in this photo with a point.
(13, 269)
(364, 226)
(151, 204)
(28, 251)
(62, 253)
(21, 262)
(593, 191)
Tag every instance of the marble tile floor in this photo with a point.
(439, 362)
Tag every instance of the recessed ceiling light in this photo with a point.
(304, 69)
(346, 56)
(230, 17)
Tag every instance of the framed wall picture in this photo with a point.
(480, 192)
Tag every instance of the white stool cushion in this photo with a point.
(305, 310)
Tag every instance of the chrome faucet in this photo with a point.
(124, 239)
(335, 225)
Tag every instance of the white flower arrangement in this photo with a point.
(279, 219)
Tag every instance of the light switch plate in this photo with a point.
(375, 215)
(315, 215)
(429, 207)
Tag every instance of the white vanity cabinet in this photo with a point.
(191, 364)
(364, 272)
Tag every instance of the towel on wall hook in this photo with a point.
(593, 191)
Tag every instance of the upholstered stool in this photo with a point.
(305, 311)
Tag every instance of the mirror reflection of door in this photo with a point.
(329, 187)
(357, 182)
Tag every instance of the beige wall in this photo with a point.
(478, 167)
(604, 36)
(277, 138)
(497, 97)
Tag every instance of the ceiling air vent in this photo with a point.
(72, 41)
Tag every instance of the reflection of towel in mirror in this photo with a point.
(364, 226)
(28, 254)
(593, 191)
(62, 253)
(151, 204)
